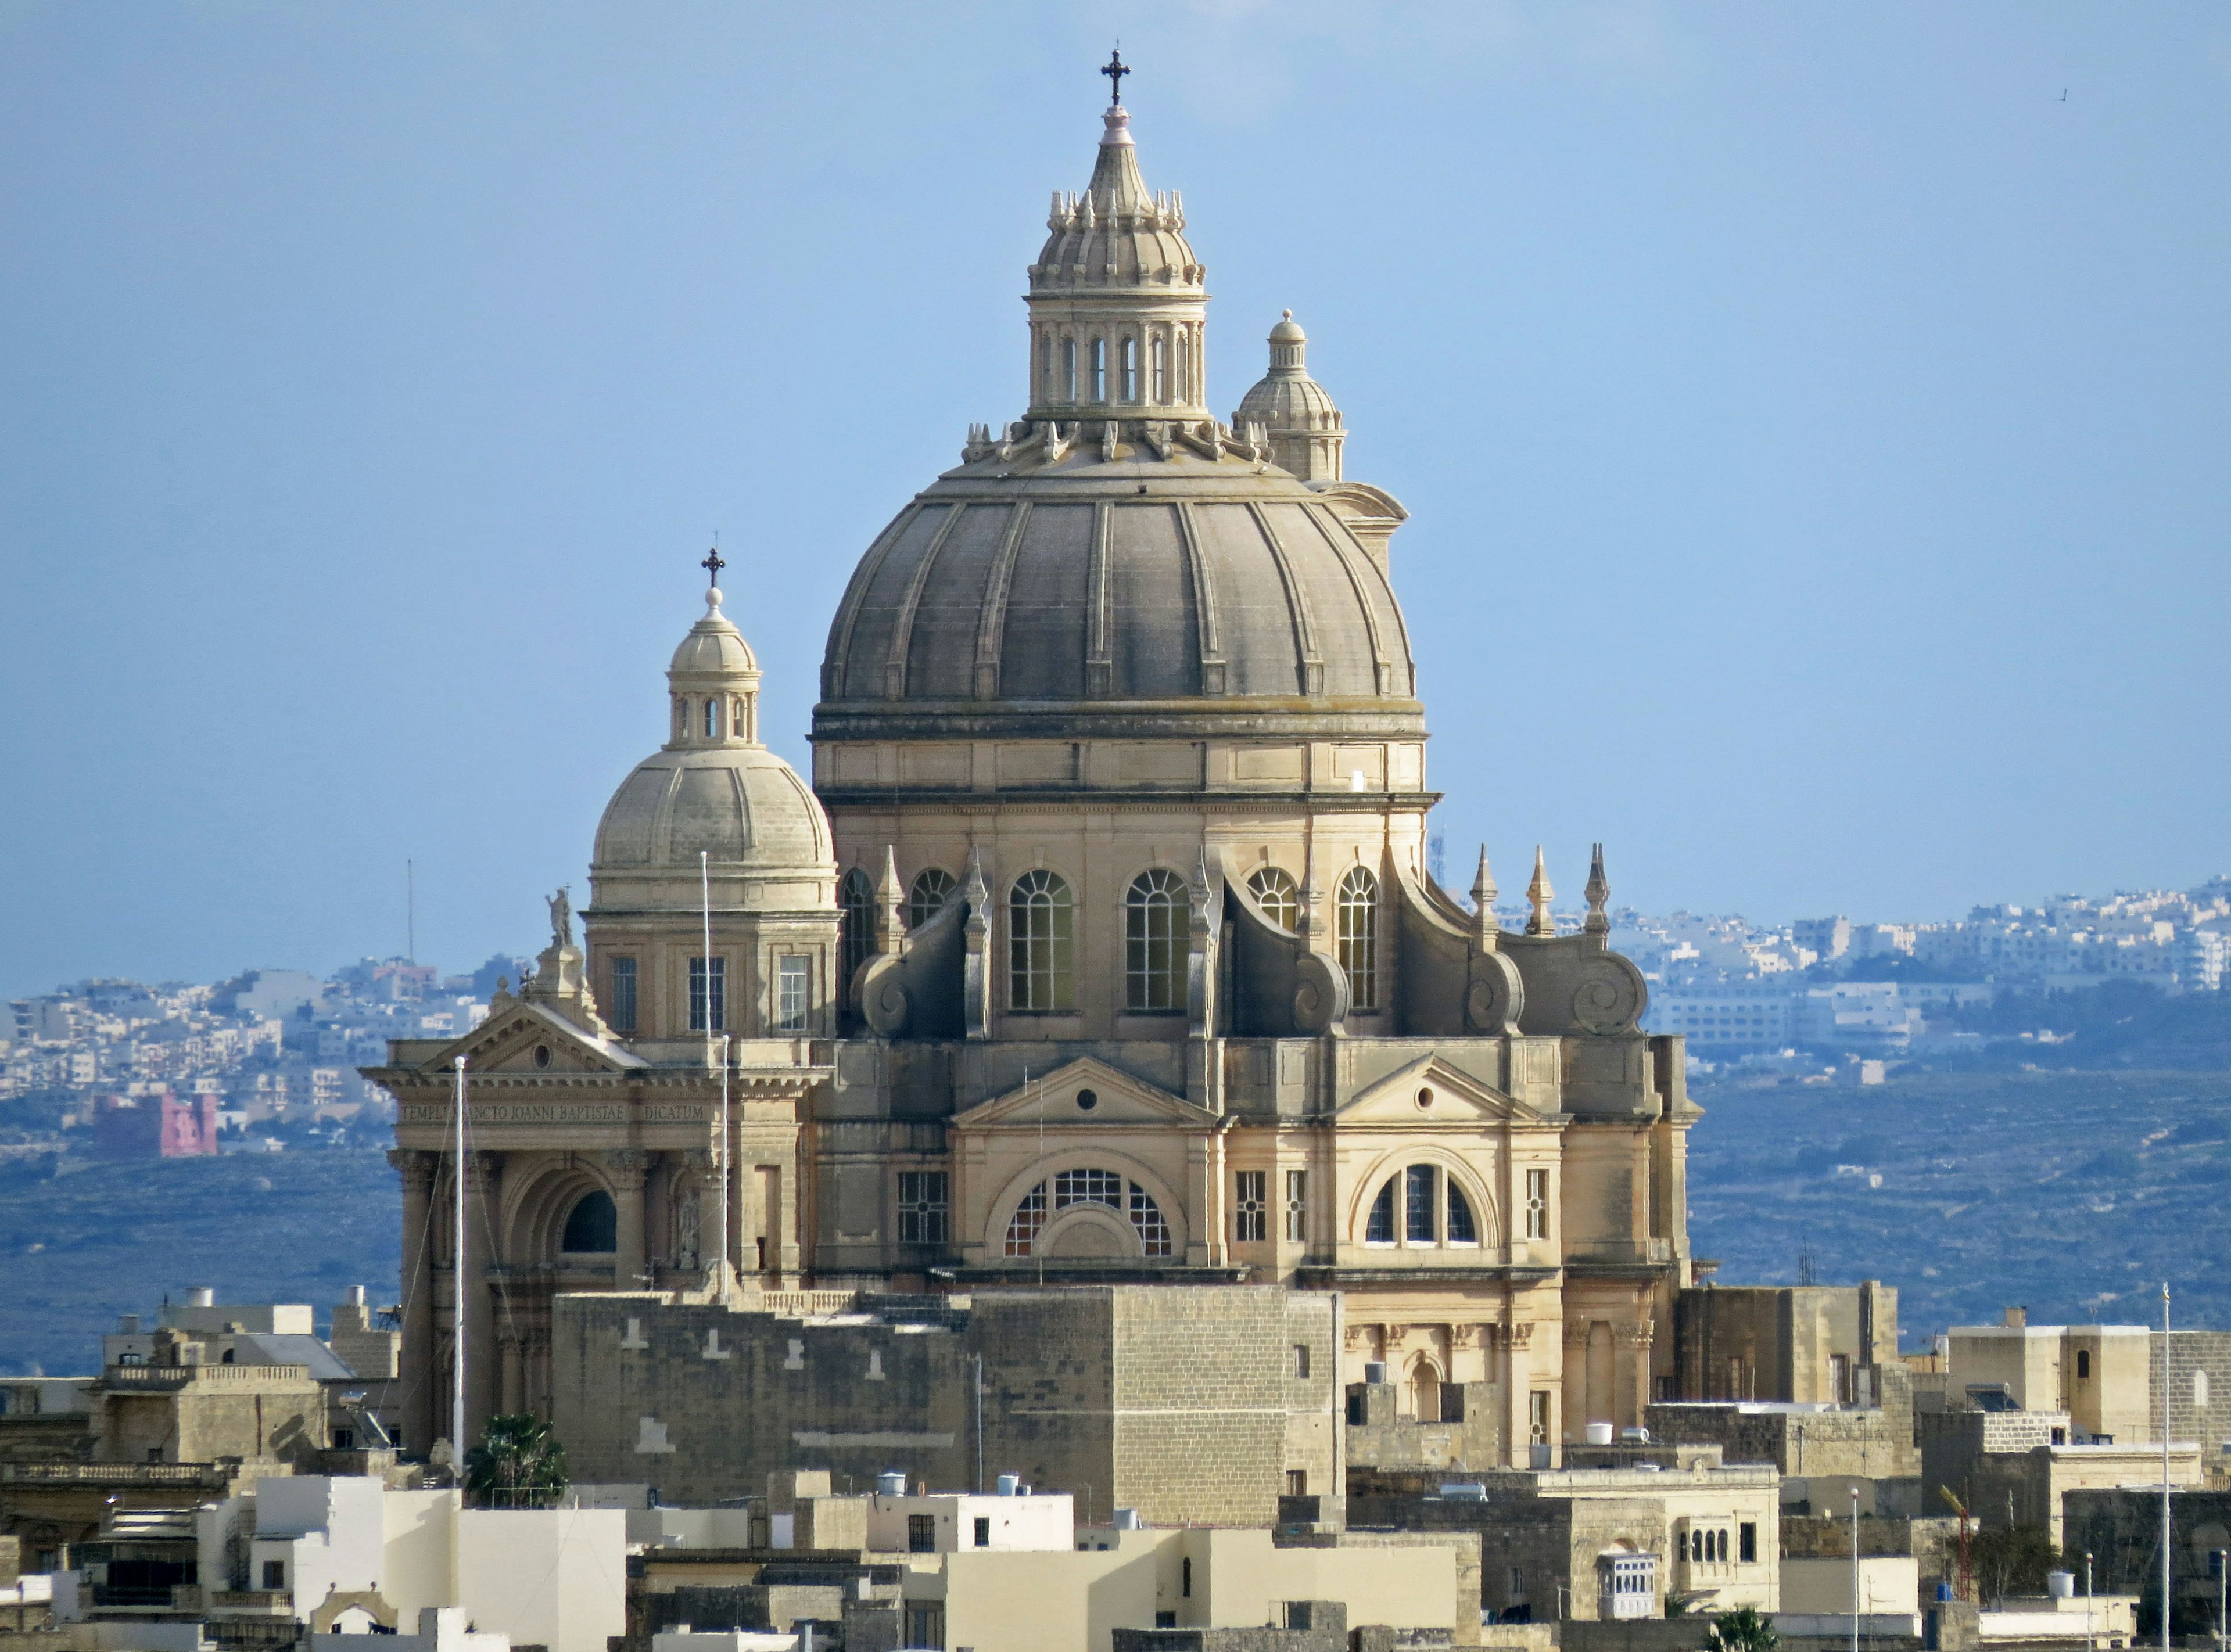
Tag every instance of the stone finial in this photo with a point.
(1482, 902)
(1599, 892)
(1540, 894)
(889, 931)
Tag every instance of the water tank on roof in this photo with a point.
(1374, 1371)
(1011, 1485)
(890, 1483)
(1599, 1434)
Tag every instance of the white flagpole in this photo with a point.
(720, 1157)
(458, 1295)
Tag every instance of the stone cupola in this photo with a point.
(1118, 308)
(1295, 413)
(713, 682)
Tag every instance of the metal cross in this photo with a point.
(1114, 70)
(712, 565)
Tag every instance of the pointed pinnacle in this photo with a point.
(1483, 883)
(1599, 890)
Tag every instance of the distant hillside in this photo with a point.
(111, 1239)
(2072, 1193)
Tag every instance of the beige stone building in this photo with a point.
(1101, 947)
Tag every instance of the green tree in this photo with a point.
(516, 1465)
(1743, 1631)
(2011, 1560)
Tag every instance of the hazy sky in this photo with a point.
(1815, 420)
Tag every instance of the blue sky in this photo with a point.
(1814, 423)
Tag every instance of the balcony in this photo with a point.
(213, 1476)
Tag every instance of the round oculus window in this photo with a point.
(1426, 1097)
(1087, 1100)
(542, 1054)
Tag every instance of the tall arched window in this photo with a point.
(1069, 370)
(681, 717)
(933, 886)
(1046, 366)
(1041, 944)
(1184, 369)
(1355, 937)
(593, 1226)
(1160, 358)
(1276, 894)
(712, 719)
(1154, 913)
(856, 896)
(1100, 370)
(1129, 356)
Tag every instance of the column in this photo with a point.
(512, 1388)
(1632, 1377)
(627, 1167)
(1517, 1377)
(420, 1366)
(482, 1172)
(1576, 1375)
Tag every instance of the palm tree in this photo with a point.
(516, 1465)
(1743, 1631)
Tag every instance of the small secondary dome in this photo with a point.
(712, 788)
(1295, 413)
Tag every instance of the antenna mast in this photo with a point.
(458, 1295)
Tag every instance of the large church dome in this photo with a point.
(1117, 561)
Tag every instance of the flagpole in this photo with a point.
(458, 1295)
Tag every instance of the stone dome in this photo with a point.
(1013, 587)
(712, 788)
(741, 804)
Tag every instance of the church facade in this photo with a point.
(1101, 948)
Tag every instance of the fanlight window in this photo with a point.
(1154, 913)
(1355, 937)
(1041, 944)
(1276, 894)
(1425, 1205)
(593, 1226)
(932, 887)
(857, 898)
(1099, 1187)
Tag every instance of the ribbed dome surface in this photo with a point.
(1133, 580)
(741, 803)
(1287, 402)
(713, 644)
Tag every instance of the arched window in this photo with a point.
(1041, 944)
(1129, 356)
(1276, 894)
(1159, 357)
(1378, 1228)
(1433, 1210)
(1425, 1391)
(1069, 370)
(712, 719)
(1100, 370)
(1184, 369)
(1154, 913)
(680, 716)
(1100, 1187)
(933, 886)
(594, 1225)
(1046, 366)
(1355, 937)
(740, 722)
(856, 896)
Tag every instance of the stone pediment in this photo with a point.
(516, 1031)
(1084, 1092)
(1456, 1097)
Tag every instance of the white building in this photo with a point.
(944, 1522)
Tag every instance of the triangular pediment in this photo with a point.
(516, 1036)
(1430, 1091)
(1084, 1092)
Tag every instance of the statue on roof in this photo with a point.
(561, 918)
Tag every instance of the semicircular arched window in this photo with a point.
(1276, 894)
(1101, 1187)
(933, 886)
(1426, 1206)
(1155, 942)
(1355, 937)
(1041, 944)
(592, 1228)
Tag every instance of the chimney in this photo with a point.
(2017, 1318)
